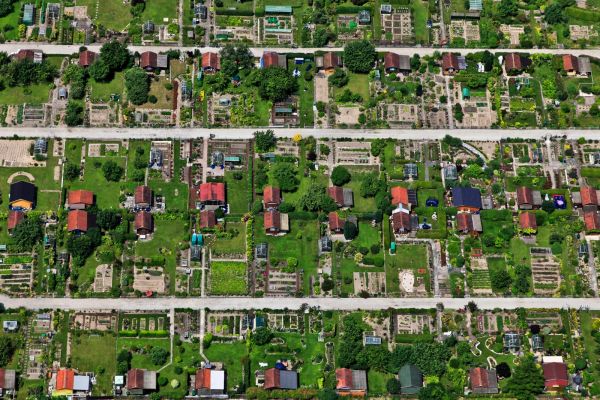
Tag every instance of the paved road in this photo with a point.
(246, 303)
(258, 51)
(246, 133)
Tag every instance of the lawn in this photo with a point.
(234, 245)
(306, 93)
(228, 278)
(361, 204)
(12, 20)
(142, 360)
(102, 91)
(237, 190)
(300, 242)
(231, 355)
(407, 256)
(420, 14)
(33, 94)
(156, 10)
(112, 14)
(163, 95)
(73, 150)
(358, 83)
(369, 236)
(101, 360)
(107, 193)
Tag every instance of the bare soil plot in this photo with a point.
(103, 279)
(413, 324)
(149, 279)
(95, 321)
(545, 270)
(370, 282)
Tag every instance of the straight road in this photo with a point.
(48, 48)
(247, 133)
(247, 303)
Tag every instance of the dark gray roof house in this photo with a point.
(466, 198)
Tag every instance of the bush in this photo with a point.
(162, 381)
(580, 364)
(340, 176)
(375, 249)
(178, 370)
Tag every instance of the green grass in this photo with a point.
(406, 257)
(234, 245)
(358, 83)
(12, 19)
(377, 382)
(361, 204)
(143, 360)
(237, 190)
(175, 193)
(33, 94)
(101, 91)
(420, 14)
(163, 95)
(368, 236)
(102, 357)
(107, 193)
(306, 94)
(73, 150)
(112, 14)
(158, 9)
(230, 354)
(22, 393)
(228, 278)
(233, 4)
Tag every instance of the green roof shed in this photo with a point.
(411, 379)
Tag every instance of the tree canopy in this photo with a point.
(359, 56)
(286, 176)
(115, 55)
(340, 175)
(276, 84)
(7, 350)
(138, 85)
(112, 171)
(526, 381)
(265, 140)
(235, 58)
(99, 70)
(27, 233)
(350, 230)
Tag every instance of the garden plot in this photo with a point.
(348, 28)
(187, 324)
(480, 276)
(150, 117)
(226, 324)
(281, 282)
(398, 26)
(287, 148)
(143, 322)
(353, 153)
(149, 279)
(545, 270)
(413, 324)
(379, 324)
(277, 30)
(228, 278)
(287, 322)
(95, 321)
(35, 115)
(164, 148)
(487, 323)
(15, 153)
(16, 273)
(347, 115)
(549, 319)
(102, 149)
(370, 282)
(101, 115)
(399, 115)
(103, 279)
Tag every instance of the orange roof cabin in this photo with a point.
(79, 221)
(589, 198)
(273, 59)
(275, 222)
(555, 375)
(140, 381)
(351, 382)
(591, 220)
(331, 61)
(67, 383)
(527, 222)
(280, 379)
(271, 197)
(450, 64)
(144, 224)
(468, 223)
(14, 218)
(528, 199)
(404, 196)
(35, 56)
(80, 199)
(211, 63)
(87, 58)
(142, 197)
(343, 197)
(208, 219)
(512, 63)
(483, 381)
(212, 193)
(210, 382)
(570, 64)
(336, 224)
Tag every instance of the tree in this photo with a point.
(7, 350)
(315, 199)
(72, 171)
(501, 280)
(108, 219)
(359, 56)
(458, 112)
(112, 171)
(74, 114)
(503, 370)
(76, 76)
(262, 336)
(115, 55)
(235, 58)
(393, 386)
(99, 71)
(27, 233)
(137, 84)
(6, 7)
(433, 391)
(555, 14)
(265, 140)
(371, 185)
(350, 230)
(339, 78)
(328, 394)
(526, 381)
(276, 84)
(340, 175)
(507, 9)
(286, 176)
(159, 356)
(327, 285)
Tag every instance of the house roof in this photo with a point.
(592, 220)
(86, 58)
(22, 190)
(588, 196)
(14, 217)
(401, 220)
(331, 60)
(335, 222)
(280, 379)
(466, 197)
(207, 219)
(270, 59)
(211, 60)
(212, 191)
(524, 195)
(65, 379)
(143, 220)
(272, 219)
(399, 195)
(78, 220)
(143, 195)
(464, 222)
(555, 374)
(135, 379)
(527, 220)
(391, 60)
(272, 195)
(202, 379)
(27, 54)
(410, 377)
(343, 197)
(350, 379)
(81, 197)
(449, 61)
(148, 59)
(513, 62)
(570, 62)
(7, 378)
(482, 378)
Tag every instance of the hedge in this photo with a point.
(352, 9)
(243, 13)
(303, 215)
(582, 14)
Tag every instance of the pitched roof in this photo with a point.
(399, 195)
(143, 195)
(7, 378)
(22, 190)
(280, 379)
(344, 378)
(270, 59)
(202, 379)
(555, 374)
(391, 60)
(148, 59)
(527, 220)
(524, 195)
(81, 197)
(592, 220)
(513, 62)
(410, 378)
(211, 60)
(343, 197)
(135, 379)
(14, 217)
(272, 220)
(78, 220)
(331, 60)
(272, 195)
(588, 196)
(570, 62)
(212, 191)
(207, 219)
(464, 222)
(335, 222)
(143, 220)
(482, 378)
(401, 221)
(449, 60)
(27, 54)
(466, 197)
(86, 58)
(65, 379)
